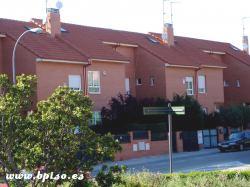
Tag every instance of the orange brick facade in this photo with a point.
(143, 60)
(154, 147)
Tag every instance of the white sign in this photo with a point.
(200, 137)
(147, 146)
(142, 146)
(135, 147)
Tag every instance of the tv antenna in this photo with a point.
(243, 24)
(171, 10)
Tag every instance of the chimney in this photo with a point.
(53, 22)
(245, 44)
(168, 34)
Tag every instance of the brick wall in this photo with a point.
(152, 147)
(147, 65)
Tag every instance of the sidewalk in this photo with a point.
(159, 158)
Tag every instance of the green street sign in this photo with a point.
(156, 110)
(180, 110)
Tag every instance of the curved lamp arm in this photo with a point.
(36, 30)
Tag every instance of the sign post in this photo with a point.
(166, 111)
(170, 139)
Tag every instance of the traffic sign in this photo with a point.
(178, 110)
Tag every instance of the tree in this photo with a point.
(54, 136)
(64, 142)
(194, 116)
(126, 114)
(235, 116)
(15, 102)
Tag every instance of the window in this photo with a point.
(152, 40)
(190, 85)
(217, 108)
(96, 118)
(202, 84)
(127, 87)
(138, 81)
(226, 84)
(75, 82)
(152, 81)
(238, 83)
(94, 82)
(205, 110)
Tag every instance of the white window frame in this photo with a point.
(189, 89)
(226, 83)
(205, 110)
(127, 85)
(152, 81)
(202, 84)
(238, 83)
(70, 77)
(96, 118)
(94, 86)
(137, 82)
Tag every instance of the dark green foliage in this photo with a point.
(54, 135)
(194, 116)
(126, 114)
(235, 116)
(108, 176)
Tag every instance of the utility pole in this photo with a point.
(176, 110)
(170, 139)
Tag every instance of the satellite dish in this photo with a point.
(59, 5)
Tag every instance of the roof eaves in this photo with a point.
(107, 60)
(214, 52)
(120, 44)
(209, 66)
(181, 66)
(2, 35)
(61, 61)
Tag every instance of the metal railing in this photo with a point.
(159, 136)
(140, 135)
(123, 138)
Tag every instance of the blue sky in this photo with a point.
(219, 20)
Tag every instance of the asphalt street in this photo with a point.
(204, 160)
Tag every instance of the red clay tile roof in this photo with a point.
(42, 45)
(69, 46)
(227, 48)
(82, 43)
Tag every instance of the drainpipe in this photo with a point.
(196, 83)
(85, 84)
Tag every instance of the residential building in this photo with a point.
(105, 62)
(59, 60)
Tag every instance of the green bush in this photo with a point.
(204, 179)
(108, 176)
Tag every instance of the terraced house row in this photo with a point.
(105, 62)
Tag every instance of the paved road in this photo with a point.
(204, 160)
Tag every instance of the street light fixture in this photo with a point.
(34, 30)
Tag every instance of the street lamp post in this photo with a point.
(34, 30)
